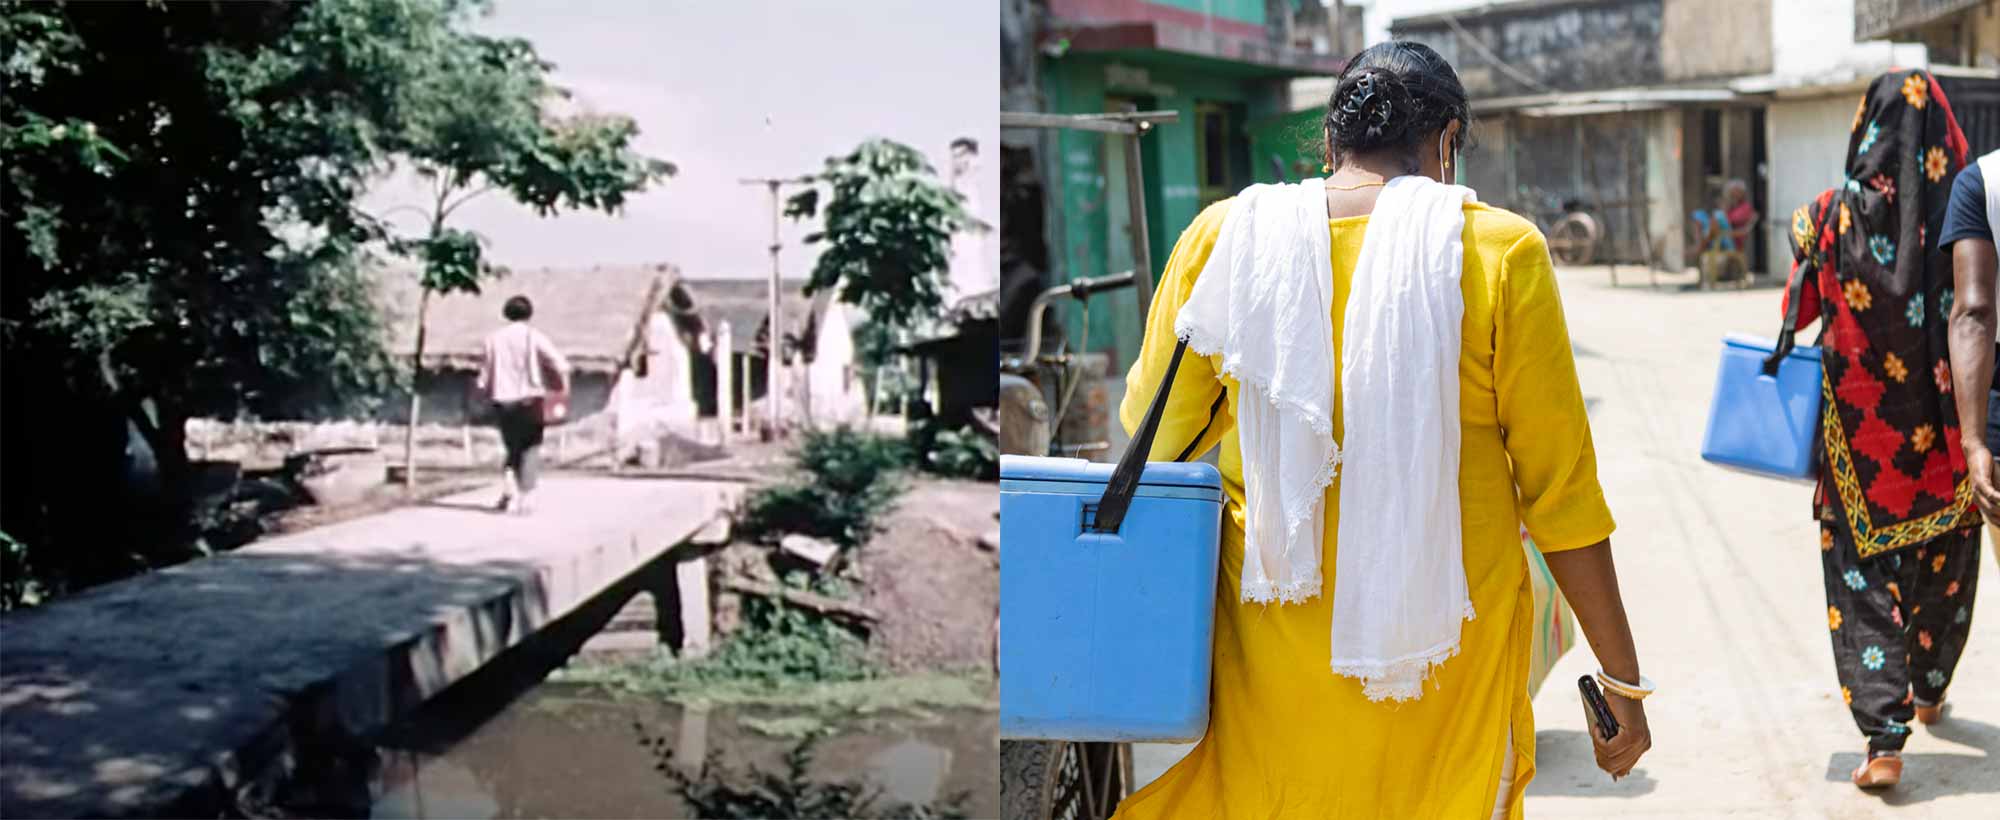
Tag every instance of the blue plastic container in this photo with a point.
(1765, 424)
(1106, 637)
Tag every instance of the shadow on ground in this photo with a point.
(1565, 765)
(1931, 775)
(205, 686)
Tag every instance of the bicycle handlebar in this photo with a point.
(1080, 289)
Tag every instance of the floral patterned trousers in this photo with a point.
(1899, 623)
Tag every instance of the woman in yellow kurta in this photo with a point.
(1288, 739)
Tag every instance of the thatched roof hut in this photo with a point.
(595, 314)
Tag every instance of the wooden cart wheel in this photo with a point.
(1573, 241)
(1062, 780)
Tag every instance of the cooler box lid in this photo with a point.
(1075, 470)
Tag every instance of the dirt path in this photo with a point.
(1721, 579)
(937, 587)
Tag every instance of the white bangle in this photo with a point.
(1630, 691)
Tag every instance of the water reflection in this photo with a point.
(565, 751)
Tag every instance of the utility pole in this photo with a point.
(773, 373)
(1336, 19)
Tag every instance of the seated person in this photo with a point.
(1728, 227)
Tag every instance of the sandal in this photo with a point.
(1882, 770)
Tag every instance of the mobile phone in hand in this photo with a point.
(1595, 711)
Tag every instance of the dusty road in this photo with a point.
(1720, 572)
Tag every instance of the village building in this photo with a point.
(643, 343)
(822, 377)
(1955, 32)
(1220, 64)
(958, 367)
(631, 365)
(1639, 112)
(1632, 112)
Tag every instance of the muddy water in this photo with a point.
(564, 750)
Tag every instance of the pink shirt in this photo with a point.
(1739, 219)
(516, 358)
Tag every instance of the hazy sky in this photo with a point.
(701, 77)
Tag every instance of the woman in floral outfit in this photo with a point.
(1899, 539)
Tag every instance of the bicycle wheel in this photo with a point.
(1573, 240)
(1062, 780)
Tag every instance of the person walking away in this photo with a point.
(1971, 219)
(521, 371)
(1428, 405)
(1899, 537)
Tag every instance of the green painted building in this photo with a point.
(1223, 65)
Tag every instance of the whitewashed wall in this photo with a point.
(837, 396)
(661, 402)
(1810, 137)
(1813, 44)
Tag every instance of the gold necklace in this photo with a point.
(1357, 187)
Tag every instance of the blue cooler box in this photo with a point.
(1760, 423)
(1106, 637)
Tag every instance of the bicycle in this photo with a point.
(1051, 780)
(1572, 233)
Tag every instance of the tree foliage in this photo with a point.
(479, 120)
(887, 231)
(181, 237)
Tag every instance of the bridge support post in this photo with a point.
(691, 584)
(691, 742)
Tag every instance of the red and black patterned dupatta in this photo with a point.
(1891, 464)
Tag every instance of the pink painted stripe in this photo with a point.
(1135, 11)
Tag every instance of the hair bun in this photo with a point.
(1371, 108)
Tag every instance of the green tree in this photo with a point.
(178, 239)
(875, 352)
(180, 234)
(478, 121)
(887, 231)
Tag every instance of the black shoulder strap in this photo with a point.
(1790, 328)
(1125, 479)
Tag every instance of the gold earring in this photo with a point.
(1326, 167)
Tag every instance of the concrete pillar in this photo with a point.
(691, 742)
(743, 398)
(725, 392)
(1667, 212)
(691, 582)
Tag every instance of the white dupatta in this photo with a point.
(1264, 303)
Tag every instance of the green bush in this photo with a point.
(18, 585)
(963, 453)
(778, 646)
(850, 461)
(781, 645)
(718, 791)
(845, 479)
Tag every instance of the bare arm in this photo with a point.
(554, 360)
(1589, 582)
(1972, 333)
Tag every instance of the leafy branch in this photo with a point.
(887, 225)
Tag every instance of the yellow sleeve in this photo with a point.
(1542, 417)
(1195, 407)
